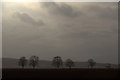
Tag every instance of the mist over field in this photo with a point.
(45, 64)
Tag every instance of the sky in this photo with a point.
(0, 36)
(79, 31)
(0, 30)
(60, 0)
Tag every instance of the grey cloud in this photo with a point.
(108, 10)
(76, 35)
(87, 35)
(24, 17)
(63, 9)
(110, 14)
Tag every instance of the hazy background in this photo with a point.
(71, 30)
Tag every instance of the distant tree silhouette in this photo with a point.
(57, 62)
(108, 65)
(92, 63)
(34, 61)
(69, 63)
(22, 62)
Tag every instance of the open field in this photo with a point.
(81, 73)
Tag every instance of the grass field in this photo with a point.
(60, 74)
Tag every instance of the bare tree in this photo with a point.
(57, 62)
(92, 63)
(34, 61)
(108, 66)
(69, 63)
(22, 62)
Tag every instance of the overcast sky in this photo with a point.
(61, 0)
(79, 31)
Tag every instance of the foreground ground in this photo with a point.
(60, 74)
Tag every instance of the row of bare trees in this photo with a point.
(33, 61)
(57, 62)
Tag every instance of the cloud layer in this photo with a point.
(72, 30)
(28, 19)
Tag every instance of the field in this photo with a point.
(60, 74)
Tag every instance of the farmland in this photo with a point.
(75, 73)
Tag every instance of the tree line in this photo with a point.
(57, 62)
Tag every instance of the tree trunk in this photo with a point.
(69, 67)
(33, 67)
(58, 66)
(23, 67)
